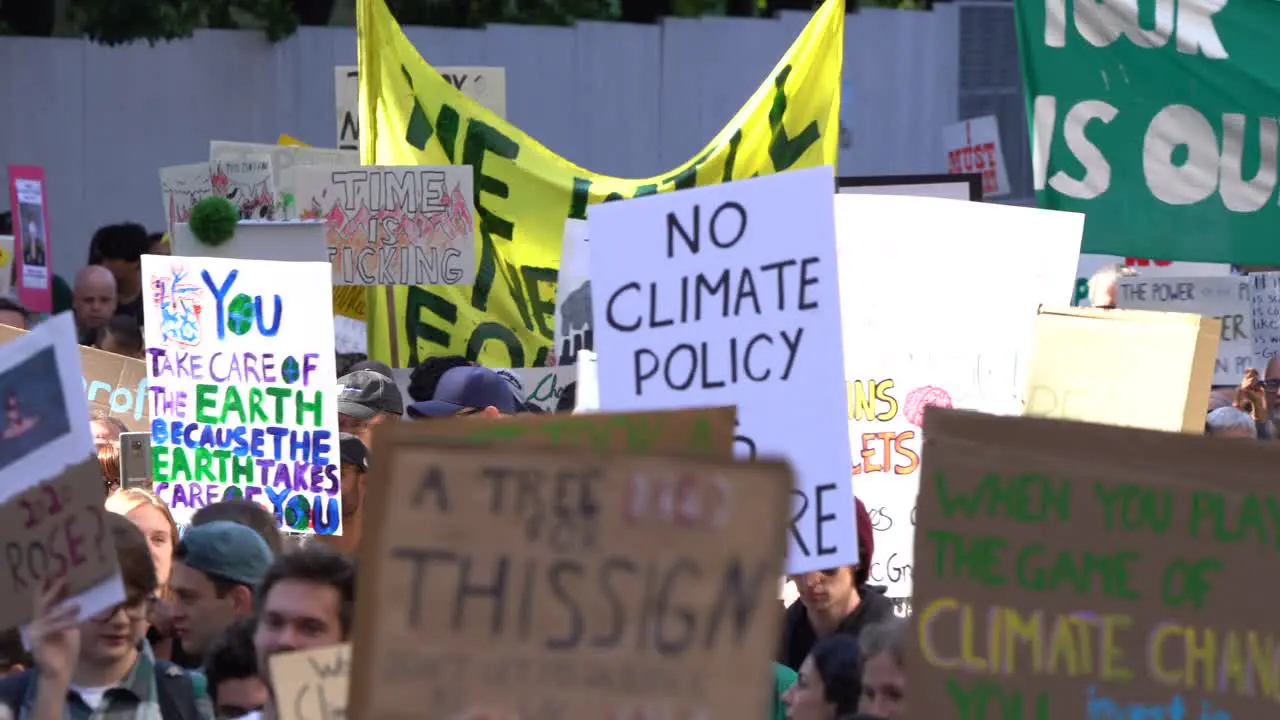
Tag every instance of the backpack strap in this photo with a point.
(177, 692)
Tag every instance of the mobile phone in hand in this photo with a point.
(135, 460)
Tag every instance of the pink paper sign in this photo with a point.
(31, 237)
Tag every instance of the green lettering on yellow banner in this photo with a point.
(410, 115)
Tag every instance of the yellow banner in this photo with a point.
(410, 115)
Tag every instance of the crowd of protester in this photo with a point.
(207, 604)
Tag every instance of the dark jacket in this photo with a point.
(799, 637)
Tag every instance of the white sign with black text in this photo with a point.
(1229, 299)
(729, 295)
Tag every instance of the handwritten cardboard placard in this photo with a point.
(697, 433)
(243, 387)
(1088, 364)
(696, 303)
(1229, 299)
(1071, 570)
(393, 225)
(54, 528)
(311, 684)
(538, 582)
(112, 383)
(51, 486)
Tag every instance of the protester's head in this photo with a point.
(568, 399)
(828, 684)
(306, 601)
(215, 570)
(158, 244)
(231, 668)
(835, 591)
(114, 635)
(382, 369)
(1103, 283)
(367, 398)
(106, 428)
(119, 248)
(355, 470)
(109, 461)
(123, 336)
(468, 390)
(1271, 384)
(344, 363)
(1229, 422)
(884, 683)
(243, 512)
(14, 314)
(152, 517)
(93, 297)
(426, 376)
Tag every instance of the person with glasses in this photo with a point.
(102, 668)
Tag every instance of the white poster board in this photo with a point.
(949, 326)
(573, 294)
(973, 146)
(485, 85)
(296, 240)
(1266, 316)
(242, 387)
(1229, 299)
(699, 304)
(1091, 263)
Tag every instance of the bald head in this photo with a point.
(94, 297)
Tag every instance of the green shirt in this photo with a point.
(783, 678)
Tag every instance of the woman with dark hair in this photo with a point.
(829, 684)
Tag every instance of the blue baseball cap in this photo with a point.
(226, 550)
(469, 386)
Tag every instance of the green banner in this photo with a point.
(1158, 120)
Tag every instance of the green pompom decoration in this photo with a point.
(213, 220)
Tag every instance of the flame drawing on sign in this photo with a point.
(180, 303)
(254, 200)
(449, 226)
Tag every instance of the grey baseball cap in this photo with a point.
(366, 393)
(226, 550)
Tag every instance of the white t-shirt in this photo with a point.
(255, 715)
(92, 696)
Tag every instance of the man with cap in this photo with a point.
(366, 399)
(469, 390)
(355, 473)
(215, 569)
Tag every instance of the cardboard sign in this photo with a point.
(29, 201)
(112, 383)
(240, 368)
(546, 584)
(699, 433)
(1071, 570)
(485, 85)
(393, 225)
(973, 146)
(51, 486)
(1229, 299)
(696, 304)
(1266, 317)
(1122, 367)
(54, 528)
(311, 684)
